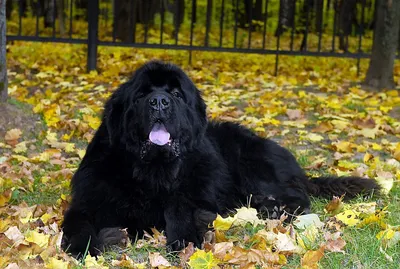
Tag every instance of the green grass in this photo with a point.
(363, 248)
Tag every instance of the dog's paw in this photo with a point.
(178, 245)
(77, 246)
(113, 236)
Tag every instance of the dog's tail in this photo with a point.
(349, 186)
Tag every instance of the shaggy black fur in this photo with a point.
(127, 181)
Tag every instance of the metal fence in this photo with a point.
(328, 28)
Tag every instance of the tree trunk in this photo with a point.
(386, 32)
(3, 66)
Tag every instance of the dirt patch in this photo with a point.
(17, 115)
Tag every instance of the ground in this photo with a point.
(314, 107)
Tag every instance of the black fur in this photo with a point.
(126, 181)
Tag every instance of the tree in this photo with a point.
(3, 66)
(386, 36)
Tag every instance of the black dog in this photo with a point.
(155, 161)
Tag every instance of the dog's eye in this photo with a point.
(177, 93)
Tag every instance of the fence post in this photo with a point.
(93, 26)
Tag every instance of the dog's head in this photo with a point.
(157, 114)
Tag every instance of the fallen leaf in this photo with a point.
(305, 221)
(312, 257)
(12, 136)
(157, 260)
(203, 260)
(335, 205)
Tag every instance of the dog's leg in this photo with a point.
(180, 225)
(79, 234)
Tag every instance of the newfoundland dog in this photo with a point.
(156, 161)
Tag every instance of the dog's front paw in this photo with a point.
(77, 246)
(179, 244)
(113, 236)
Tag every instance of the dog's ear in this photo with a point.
(113, 116)
(201, 108)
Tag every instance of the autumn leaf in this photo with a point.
(203, 260)
(335, 205)
(12, 136)
(349, 217)
(40, 239)
(157, 260)
(223, 224)
(311, 258)
(54, 263)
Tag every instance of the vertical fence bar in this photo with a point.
(221, 23)
(321, 23)
(278, 40)
(71, 3)
(37, 17)
(193, 19)
(132, 22)
(250, 21)
(146, 24)
(265, 23)
(236, 20)
(305, 39)
(162, 21)
(293, 27)
(360, 37)
(54, 17)
(93, 23)
(208, 22)
(176, 21)
(20, 11)
(335, 7)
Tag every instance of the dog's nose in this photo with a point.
(159, 102)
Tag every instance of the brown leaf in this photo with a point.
(12, 136)
(323, 127)
(221, 249)
(335, 205)
(366, 123)
(185, 254)
(312, 257)
(336, 245)
(294, 114)
(157, 260)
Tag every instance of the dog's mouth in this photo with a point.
(159, 135)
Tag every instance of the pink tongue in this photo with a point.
(159, 135)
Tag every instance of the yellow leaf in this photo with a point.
(223, 224)
(54, 263)
(396, 153)
(40, 239)
(51, 137)
(93, 263)
(344, 146)
(69, 147)
(81, 153)
(369, 133)
(20, 147)
(94, 122)
(348, 217)
(20, 158)
(314, 137)
(385, 180)
(203, 260)
(311, 258)
(5, 197)
(244, 215)
(368, 157)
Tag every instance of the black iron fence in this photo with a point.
(329, 28)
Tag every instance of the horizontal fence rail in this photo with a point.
(326, 28)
